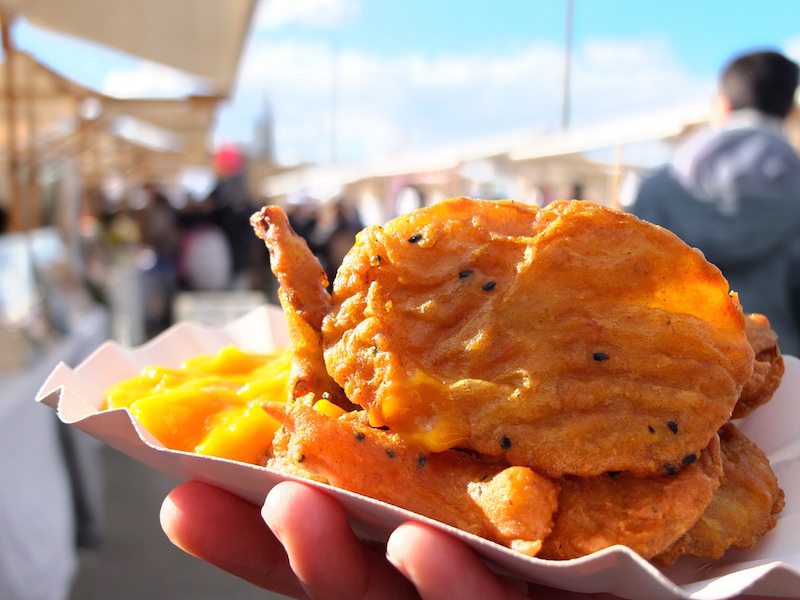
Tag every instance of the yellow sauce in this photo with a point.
(212, 404)
(417, 408)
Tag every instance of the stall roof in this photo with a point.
(201, 37)
(162, 124)
(521, 146)
(654, 126)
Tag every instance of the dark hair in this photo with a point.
(765, 81)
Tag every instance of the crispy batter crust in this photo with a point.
(513, 506)
(573, 339)
(741, 511)
(646, 514)
(305, 301)
(767, 370)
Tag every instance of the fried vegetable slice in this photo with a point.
(646, 514)
(741, 511)
(512, 506)
(767, 370)
(305, 300)
(572, 339)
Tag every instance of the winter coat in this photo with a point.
(734, 193)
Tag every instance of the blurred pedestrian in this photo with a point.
(231, 207)
(733, 189)
(161, 235)
(347, 223)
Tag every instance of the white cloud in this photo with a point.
(613, 78)
(413, 101)
(320, 14)
(792, 48)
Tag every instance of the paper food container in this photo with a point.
(772, 568)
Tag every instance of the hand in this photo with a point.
(309, 551)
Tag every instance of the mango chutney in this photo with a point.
(212, 404)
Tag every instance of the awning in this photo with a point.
(144, 139)
(51, 103)
(202, 37)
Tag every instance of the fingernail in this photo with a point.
(393, 560)
(272, 527)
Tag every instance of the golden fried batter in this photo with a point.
(767, 370)
(513, 506)
(305, 301)
(646, 514)
(572, 339)
(741, 511)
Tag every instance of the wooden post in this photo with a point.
(616, 176)
(566, 93)
(33, 213)
(14, 195)
(82, 129)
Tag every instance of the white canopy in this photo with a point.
(202, 37)
(51, 102)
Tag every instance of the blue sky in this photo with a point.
(363, 80)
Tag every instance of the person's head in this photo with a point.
(765, 81)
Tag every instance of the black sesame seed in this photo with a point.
(301, 458)
(421, 461)
(415, 238)
(488, 286)
(383, 428)
(374, 351)
(651, 429)
(613, 474)
(465, 273)
(673, 426)
(376, 260)
(689, 459)
(600, 356)
(390, 453)
(359, 437)
(505, 442)
(484, 478)
(669, 469)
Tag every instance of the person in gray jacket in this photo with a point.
(733, 190)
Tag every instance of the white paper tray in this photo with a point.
(771, 569)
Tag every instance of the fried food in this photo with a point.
(768, 367)
(741, 511)
(305, 300)
(551, 379)
(573, 339)
(512, 506)
(647, 514)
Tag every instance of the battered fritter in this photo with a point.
(513, 506)
(647, 514)
(305, 300)
(572, 339)
(741, 511)
(767, 370)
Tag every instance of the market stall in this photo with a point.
(60, 142)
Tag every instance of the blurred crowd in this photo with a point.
(184, 244)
